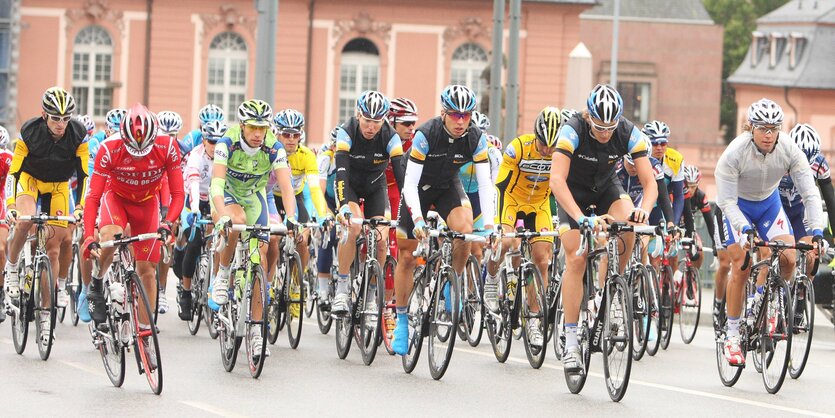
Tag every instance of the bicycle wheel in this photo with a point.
(345, 323)
(728, 374)
(44, 278)
(389, 309)
(75, 286)
(418, 314)
(690, 304)
(472, 316)
(640, 284)
(196, 302)
(804, 323)
(533, 285)
(111, 348)
(155, 307)
(498, 324)
(668, 301)
(256, 324)
(229, 342)
(576, 381)
(324, 319)
(21, 316)
(294, 302)
(617, 338)
(557, 312)
(654, 305)
(209, 315)
(370, 311)
(776, 336)
(308, 293)
(146, 343)
(444, 315)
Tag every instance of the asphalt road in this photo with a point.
(312, 381)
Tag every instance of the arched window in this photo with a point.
(227, 72)
(359, 72)
(468, 62)
(92, 63)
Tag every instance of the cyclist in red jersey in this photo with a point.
(5, 163)
(128, 173)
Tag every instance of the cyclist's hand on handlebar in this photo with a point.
(11, 216)
(344, 215)
(639, 215)
(420, 231)
(78, 213)
(224, 222)
(821, 245)
(90, 248)
(164, 232)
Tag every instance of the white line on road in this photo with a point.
(211, 409)
(82, 367)
(674, 388)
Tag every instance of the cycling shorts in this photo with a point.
(796, 215)
(536, 215)
(143, 218)
(602, 199)
(375, 196)
(54, 197)
(443, 200)
(767, 217)
(255, 208)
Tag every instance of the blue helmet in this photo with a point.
(289, 120)
(169, 122)
(113, 119)
(213, 130)
(211, 112)
(373, 105)
(605, 104)
(458, 98)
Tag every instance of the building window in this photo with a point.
(92, 63)
(635, 101)
(468, 63)
(227, 73)
(359, 71)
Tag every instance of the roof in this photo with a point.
(813, 68)
(678, 10)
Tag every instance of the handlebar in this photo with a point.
(43, 218)
(128, 240)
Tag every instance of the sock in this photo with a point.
(324, 283)
(342, 283)
(733, 327)
(96, 284)
(402, 310)
(62, 283)
(491, 278)
(402, 318)
(571, 336)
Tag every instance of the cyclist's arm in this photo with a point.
(174, 171)
(316, 194)
(689, 225)
(801, 173)
(218, 184)
(709, 221)
(567, 142)
(414, 171)
(20, 153)
(343, 166)
(677, 189)
(282, 176)
(98, 182)
(395, 150)
(82, 153)
(664, 200)
(192, 180)
(495, 155)
(828, 195)
(727, 190)
(647, 178)
(510, 162)
(486, 187)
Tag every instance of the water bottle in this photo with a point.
(117, 296)
(511, 285)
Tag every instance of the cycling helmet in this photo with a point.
(605, 104)
(547, 126)
(494, 141)
(372, 105)
(56, 101)
(807, 138)
(114, 118)
(169, 122)
(458, 98)
(4, 138)
(765, 112)
(402, 110)
(289, 120)
(255, 112)
(139, 130)
(481, 120)
(88, 123)
(692, 174)
(210, 112)
(567, 114)
(628, 158)
(335, 133)
(213, 130)
(657, 131)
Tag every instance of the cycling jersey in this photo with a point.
(327, 170)
(697, 202)
(5, 164)
(93, 142)
(524, 172)
(198, 177)
(673, 163)
(632, 185)
(190, 141)
(789, 194)
(245, 174)
(303, 169)
(468, 176)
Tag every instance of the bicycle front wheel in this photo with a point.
(294, 300)
(196, 301)
(533, 316)
(641, 296)
(444, 316)
(803, 299)
(309, 285)
(499, 328)
(44, 308)
(75, 287)
(370, 311)
(617, 338)
(668, 301)
(146, 343)
(418, 307)
(257, 323)
(728, 374)
(654, 306)
(691, 304)
(111, 348)
(776, 336)
(472, 316)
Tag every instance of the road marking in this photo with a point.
(82, 367)
(673, 388)
(211, 409)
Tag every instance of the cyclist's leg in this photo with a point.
(275, 216)
(775, 226)
(237, 215)
(542, 246)
(26, 195)
(404, 273)
(618, 205)
(377, 206)
(257, 212)
(477, 248)
(301, 244)
(456, 209)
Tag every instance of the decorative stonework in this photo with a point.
(96, 11)
(228, 17)
(362, 24)
(471, 28)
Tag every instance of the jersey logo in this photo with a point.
(534, 166)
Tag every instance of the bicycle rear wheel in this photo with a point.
(111, 348)
(370, 312)
(617, 338)
(533, 285)
(294, 302)
(654, 305)
(498, 324)
(21, 316)
(690, 303)
(776, 336)
(418, 315)
(472, 316)
(75, 283)
(256, 324)
(324, 318)
(444, 317)
(43, 277)
(668, 301)
(804, 323)
(307, 293)
(146, 343)
(641, 302)
(557, 312)
(196, 301)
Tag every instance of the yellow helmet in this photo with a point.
(547, 126)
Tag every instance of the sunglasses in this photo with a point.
(408, 124)
(768, 129)
(659, 144)
(293, 135)
(56, 118)
(460, 115)
(601, 128)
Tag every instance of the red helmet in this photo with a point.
(139, 130)
(402, 110)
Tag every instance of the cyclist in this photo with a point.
(243, 160)
(327, 178)
(50, 149)
(125, 186)
(198, 178)
(5, 163)
(170, 124)
(672, 162)
(88, 123)
(582, 174)
(695, 200)
(747, 177)
(468, 176)
(440, 147)
(523, 190)
(194, 138)
(364, 146)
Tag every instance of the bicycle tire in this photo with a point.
(690, 307)
(76, 287)
(324, 318)
(257, 288)
(576, 381)
(641, 302)
(307, 293)
(137, 299)
(43, 267)
(112, 350)
(728, 374)
(196, 302)
(617, 338)
(532, 277)
(388, 335)
(368, 327)
(803, 332)
(667, 299)
(294, 305)
(443, 321)
(653, 344)
(230, 343)
(156, 298)
(275, 291)
(557, 312)
(775, 361)
(20, 322)
(498, 324)
(418, 314)
(471, 326)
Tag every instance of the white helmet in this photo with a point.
(4, 138)
(765, 112)
(807, 138)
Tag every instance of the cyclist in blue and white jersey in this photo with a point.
(194, 138)
(468, 175)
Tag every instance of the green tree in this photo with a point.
(739, 18)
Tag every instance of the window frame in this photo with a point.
(461, 60)
(234, 61)
(96, 85)
(361, 62)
